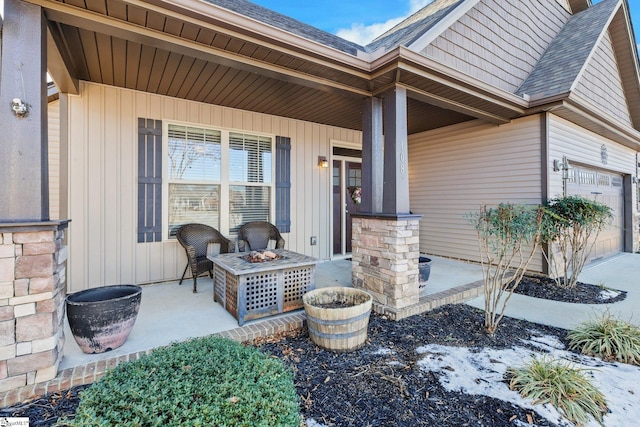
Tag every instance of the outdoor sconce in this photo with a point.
(562, 165)
(19, 107)
(323, 162)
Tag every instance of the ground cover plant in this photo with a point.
(209, 381)
(569, 389)
(607, 338)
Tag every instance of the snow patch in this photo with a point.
(481, 372)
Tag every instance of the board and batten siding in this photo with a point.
(500, 42)
(601, 83)
(103, 129)
(583, 147)
(53, 138)
(456, 169)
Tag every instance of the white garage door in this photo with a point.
(604, 187)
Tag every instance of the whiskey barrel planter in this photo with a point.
(337, 317)
(101, 319)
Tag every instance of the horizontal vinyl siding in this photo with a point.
(53, 113)
(500, 42)
(454, 170)
(601, 82)
(103, 172)
(583, 147)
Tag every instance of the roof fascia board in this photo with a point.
(628, 52)
(198, 11)
(448, 104)
(434, 32)
(604, 30)
(109, 26)
(458, 80)
(579, 5)
(584, 108)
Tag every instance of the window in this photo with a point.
(250, 165)
(219, 178)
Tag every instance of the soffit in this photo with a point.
(159, 48)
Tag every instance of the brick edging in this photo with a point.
(87, 374)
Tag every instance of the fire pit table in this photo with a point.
(251, 290)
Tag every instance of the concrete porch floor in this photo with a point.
(170, 312)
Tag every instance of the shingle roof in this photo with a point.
(563, 60)
(414, 26)
(291, 25)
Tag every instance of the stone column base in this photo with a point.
(32, 292)
(385, 252)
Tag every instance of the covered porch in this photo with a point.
(163, 319)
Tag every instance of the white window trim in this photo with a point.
(224, 182)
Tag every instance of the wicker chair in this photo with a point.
(195, 238)
(255, 236)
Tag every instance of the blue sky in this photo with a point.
(362, 20)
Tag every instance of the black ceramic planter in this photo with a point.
(424, 268)
(102, 318)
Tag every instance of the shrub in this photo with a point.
(566, 388)
(508, 236)
(572, 224)
(206, 382)
(607, 338)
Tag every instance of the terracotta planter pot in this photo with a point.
(337, 317)
(102, 318)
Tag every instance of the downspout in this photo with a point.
(546, 182)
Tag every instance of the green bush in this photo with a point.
(572, 224)
(566, 388)
(508, 237)
(608, 339)
(201, 382)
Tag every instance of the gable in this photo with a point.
(500, 42)
(601, 84)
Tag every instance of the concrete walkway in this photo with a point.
(621, 272)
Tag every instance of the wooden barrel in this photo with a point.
(337, 317)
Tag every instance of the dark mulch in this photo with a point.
(583, 293)
(363, 388)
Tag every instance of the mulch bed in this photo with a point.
(362, 388)
(583, 293)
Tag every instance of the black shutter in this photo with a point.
(283, 184)
(149, 180)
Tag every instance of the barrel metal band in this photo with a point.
(335, 336)
(339, 321)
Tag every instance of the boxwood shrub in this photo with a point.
(201, 382)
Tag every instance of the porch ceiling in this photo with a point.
(207, 54)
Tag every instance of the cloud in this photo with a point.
(364, 34)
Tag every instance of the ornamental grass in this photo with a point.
(607, 338)
(568, 389)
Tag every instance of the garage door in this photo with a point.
(604, 187)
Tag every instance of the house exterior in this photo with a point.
(222, 112)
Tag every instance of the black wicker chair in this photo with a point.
(195, 238)
(255, 236)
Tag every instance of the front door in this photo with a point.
(347, 184)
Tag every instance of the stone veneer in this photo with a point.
(385, 253)
(32, 292)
